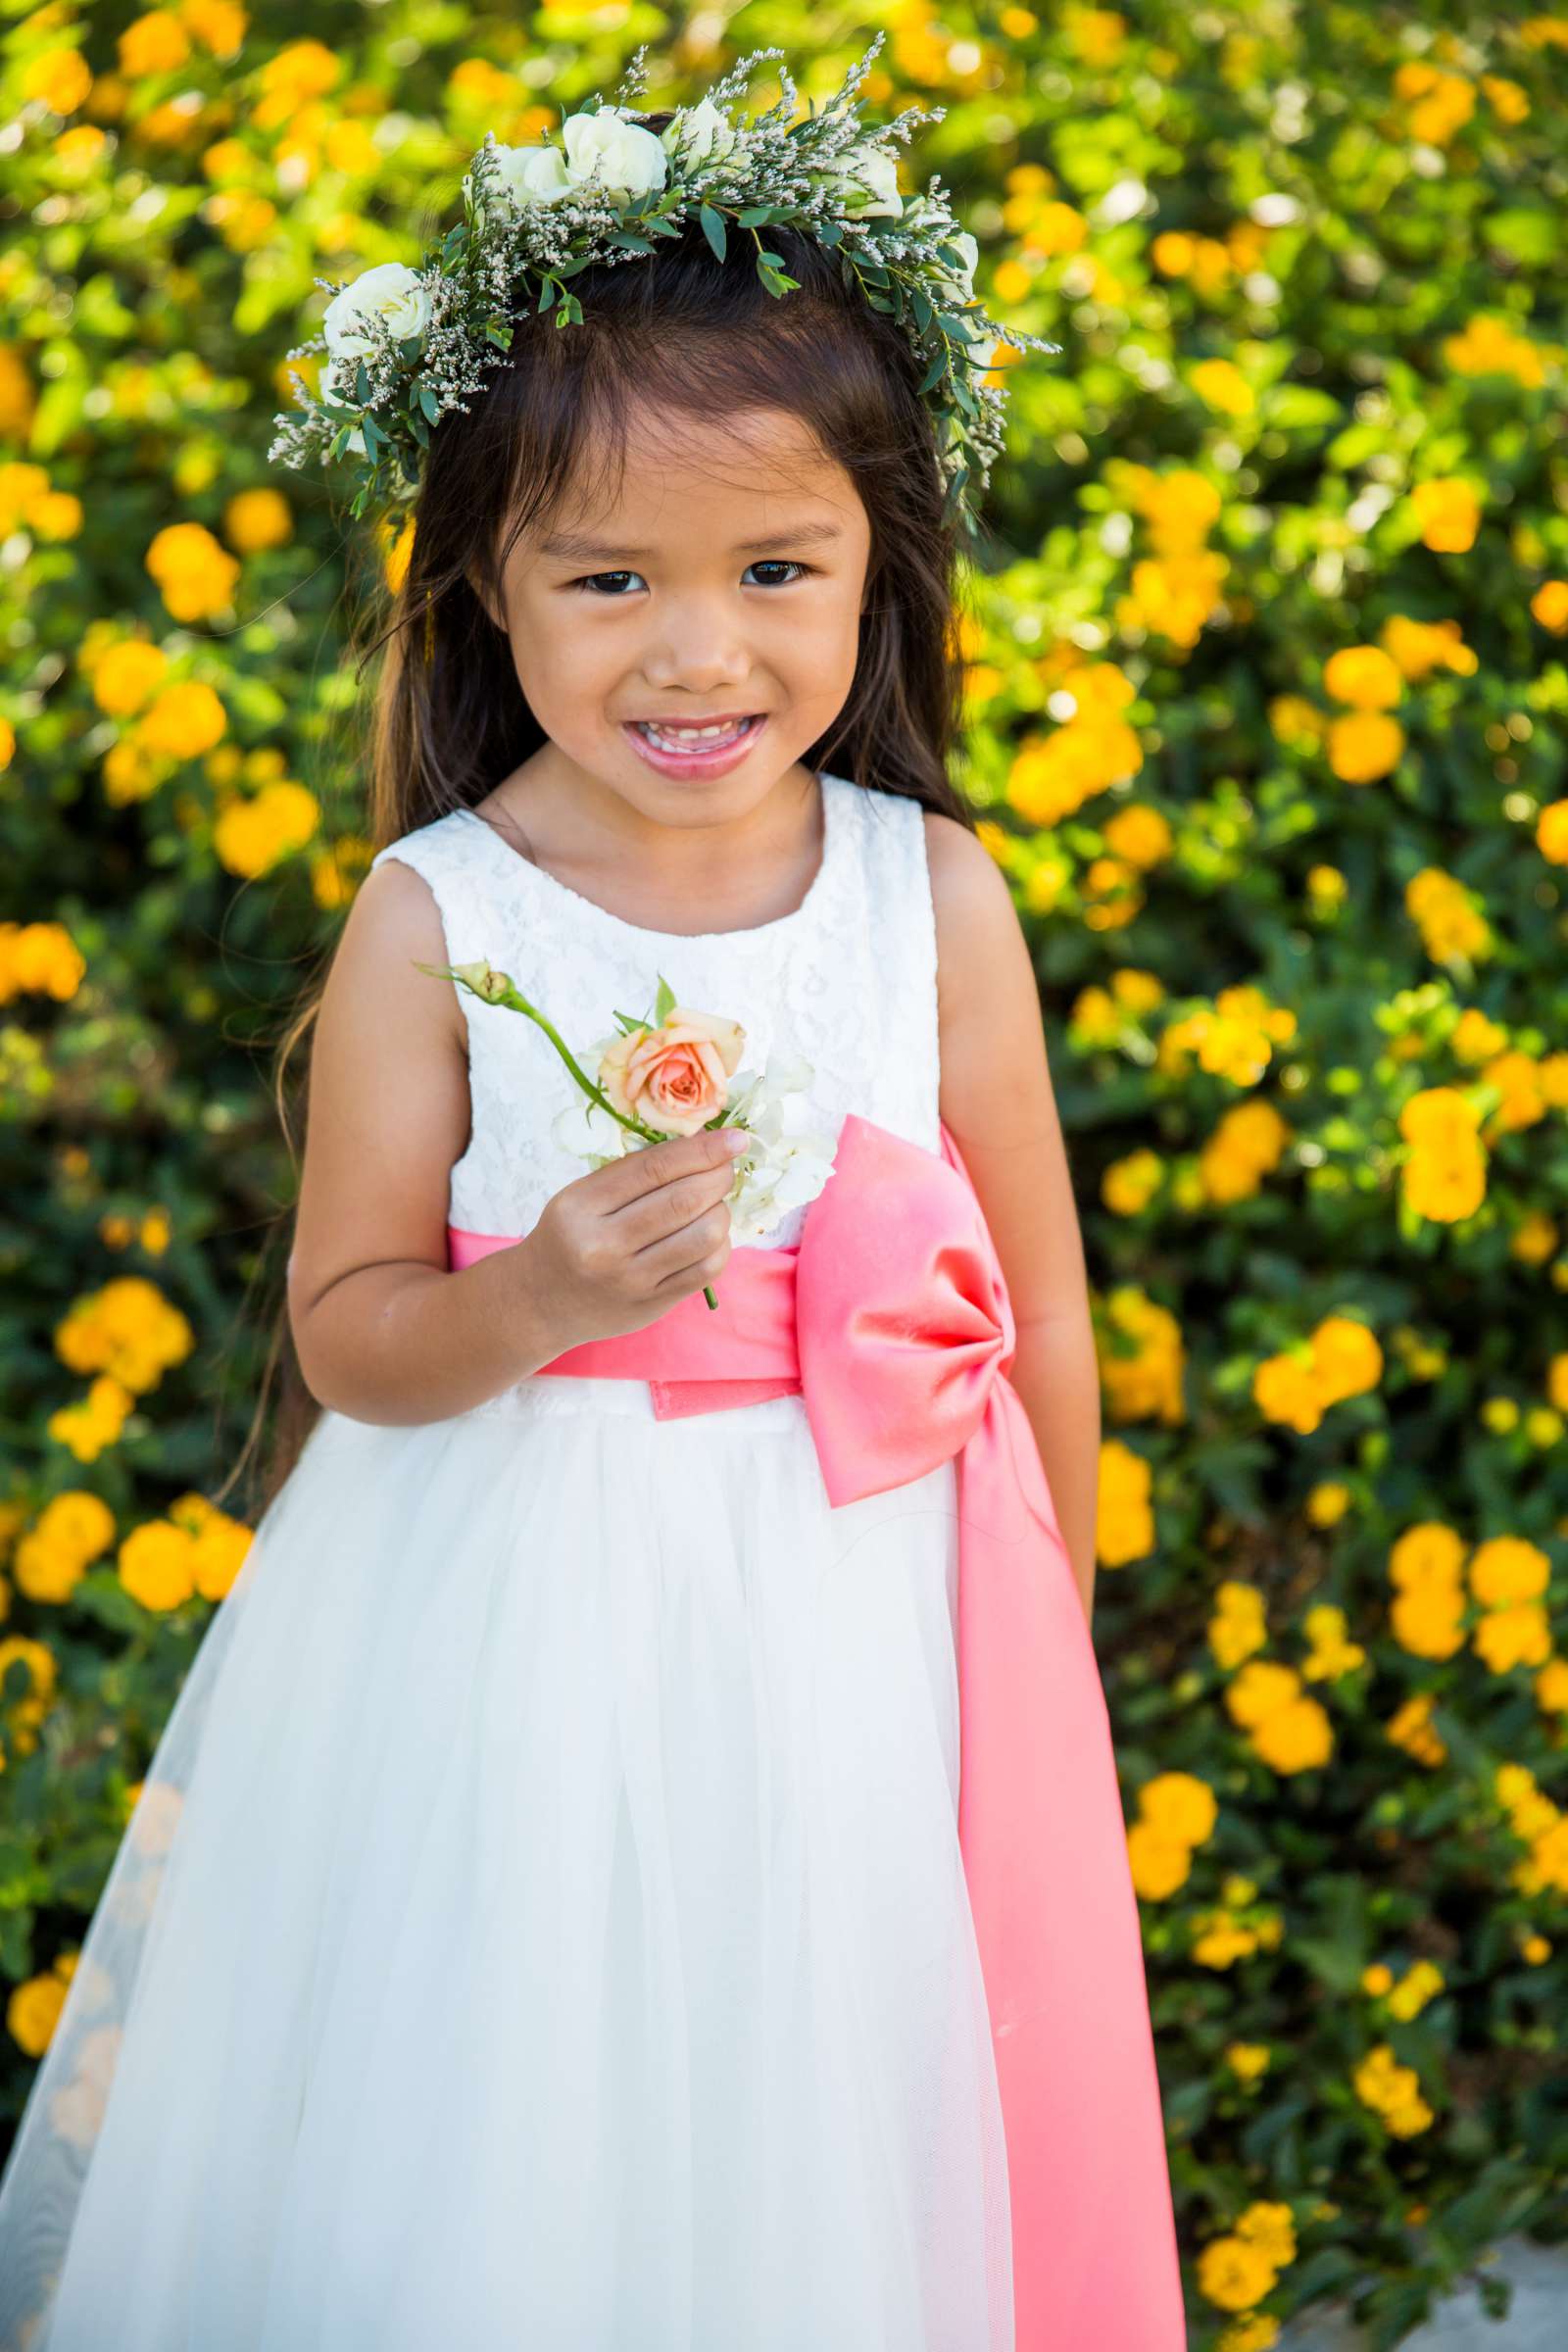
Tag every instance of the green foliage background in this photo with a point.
(1323, 202)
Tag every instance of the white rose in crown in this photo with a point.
(627, 161)
(700, 134)
(867, 183)
(390, 292)
(533, 174)
(961, 287)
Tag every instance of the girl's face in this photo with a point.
(714, 586)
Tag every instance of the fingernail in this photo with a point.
(735, 1142)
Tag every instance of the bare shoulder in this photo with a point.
(977, 920)
(393, 924)
(388, 1112)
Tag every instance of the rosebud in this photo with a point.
(484, 980)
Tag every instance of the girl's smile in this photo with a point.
(729, 745)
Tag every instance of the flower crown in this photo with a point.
(404, 345)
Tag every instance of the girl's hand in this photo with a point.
(614, 1248)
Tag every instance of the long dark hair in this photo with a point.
(694, 339)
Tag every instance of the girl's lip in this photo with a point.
(697, 763)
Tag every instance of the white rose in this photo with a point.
(961, 287)
(701, 133)
(863, 169)
(589, 1133)
(622, 158)
(390, 292)
(330, 388)
(532, 174)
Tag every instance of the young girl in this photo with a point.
(550, 1914)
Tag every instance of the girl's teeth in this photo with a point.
(685, 738)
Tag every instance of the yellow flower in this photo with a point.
(1447, 514)
(1180, 1806)
(40, 958)
(158, 1565)
(1158, 1863)
(155, 43)
(1247, 1145)
(1129, 1185)
(58, 79)
(1475, 1037)
(1551, 1687)
(1420, 1984)
(1509, 102)
(1125, 1522)
(1271, 2228)
(129, 1329)
(1262, 1688)
(1141, 835)
(1248, 2060)
(1551, 832)
(195, 576)
(187, 719)
(1146, 1379)
(1513, 1637)
(1363, 675)
(1488, 346)
(1365, 745)
(1235, 2273)
(1294, 1738)
(1259, 2331)
(251, 836)
(1220, 384)
(1328, 1502)
(32, 2013)
(1347, 1360)
(1418, 647)
(126, 676)
(1284, 1388)
(1450, 918)
(253, 519)
(1550, 605)
(1237, 1630)
(1410, 1729)
(1138, 990)
(1508, 1569)
(1428, 1623)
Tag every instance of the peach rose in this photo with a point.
(674, 1078)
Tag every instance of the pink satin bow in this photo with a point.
(891, 1320)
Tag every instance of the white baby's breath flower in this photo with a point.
(619, 157)
(700, 134)
(390, 292)
(533, 174)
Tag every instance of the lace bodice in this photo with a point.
(849, 980)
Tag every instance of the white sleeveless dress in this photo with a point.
(544, 1924)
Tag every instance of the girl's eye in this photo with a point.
(766, 564)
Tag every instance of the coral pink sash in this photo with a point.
(890, 1318)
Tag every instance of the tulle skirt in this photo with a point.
(543, 1925)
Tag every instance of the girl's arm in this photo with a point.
(998, 1101)
(383, 1331)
